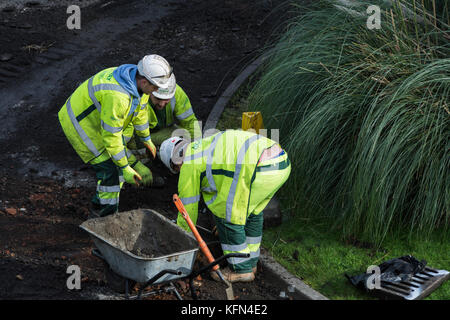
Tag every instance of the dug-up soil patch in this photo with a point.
(142, 232)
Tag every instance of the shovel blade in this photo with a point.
(229, 289)
(229, 292)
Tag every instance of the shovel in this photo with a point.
(202, 245)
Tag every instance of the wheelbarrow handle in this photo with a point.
(201, 243)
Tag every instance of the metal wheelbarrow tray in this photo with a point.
(140, 244)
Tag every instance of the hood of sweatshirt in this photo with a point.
(125, 75)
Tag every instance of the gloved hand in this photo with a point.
(145, 173)
(131, 176)
(151, 147)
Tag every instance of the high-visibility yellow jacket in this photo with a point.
(178, 110)
(94, 116)
(221, 168)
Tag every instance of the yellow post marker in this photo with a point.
(252, 120)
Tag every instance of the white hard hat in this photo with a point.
(169, 92)
(155, 69)
(172, 151)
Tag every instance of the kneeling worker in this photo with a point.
(237, 172)
(170, 109)
(93, 119)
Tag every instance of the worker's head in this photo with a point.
(154, 72)
(172, 153)
(160, 98)
(144, 85)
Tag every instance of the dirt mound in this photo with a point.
(142, 232)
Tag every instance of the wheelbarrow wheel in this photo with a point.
(117, 282)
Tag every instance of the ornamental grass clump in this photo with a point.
(364, 114)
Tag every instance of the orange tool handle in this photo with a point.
(201, 242)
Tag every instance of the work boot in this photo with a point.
(232, 276)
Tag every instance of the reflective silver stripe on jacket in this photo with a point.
(110, 86)
(173, 103)
(119, 155)
(110, 129)
(102, 86)
(190, 200)
(201, 153)
(185, 114)
(209, 160)
(195, 155)
(212, 199)
(142, 127)
(129, 153)
(237, 171)
(91, 92)
(87, 141)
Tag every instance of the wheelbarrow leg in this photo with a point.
(127, 294)
(156, 277)
(175, 291)
(191, 286)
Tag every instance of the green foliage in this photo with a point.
(364, 116)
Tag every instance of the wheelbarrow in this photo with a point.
(138, 246)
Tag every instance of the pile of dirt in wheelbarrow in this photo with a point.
(142, 232)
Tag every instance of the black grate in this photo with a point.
(420, 286)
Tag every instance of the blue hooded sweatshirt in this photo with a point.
(125, 75)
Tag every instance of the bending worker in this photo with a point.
(237, 172)
(169, 110)
(93, 119)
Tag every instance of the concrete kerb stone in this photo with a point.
(296, 288)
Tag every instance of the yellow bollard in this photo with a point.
(252, 120)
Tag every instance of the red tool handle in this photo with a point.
(201, 243)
